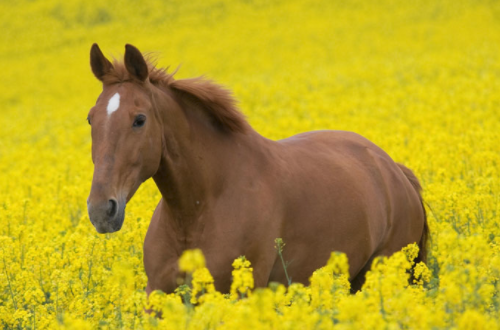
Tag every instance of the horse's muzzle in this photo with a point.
(107, 216)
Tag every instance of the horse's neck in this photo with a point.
(181, 179)
(195, 165)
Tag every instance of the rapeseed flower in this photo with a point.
(420, 79)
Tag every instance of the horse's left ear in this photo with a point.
(135, 63)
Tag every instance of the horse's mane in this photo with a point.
(216, 100)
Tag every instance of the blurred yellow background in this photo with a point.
(421, 79)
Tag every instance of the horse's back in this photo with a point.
(343, 193)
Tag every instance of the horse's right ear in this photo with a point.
(100, 64)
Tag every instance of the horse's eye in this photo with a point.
(88, 119)
(139, 121)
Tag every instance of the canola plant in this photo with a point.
(421, 79)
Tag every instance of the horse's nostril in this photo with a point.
(112, 207)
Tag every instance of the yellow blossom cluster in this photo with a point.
(242, 278)
(191, 260)
(421, 79)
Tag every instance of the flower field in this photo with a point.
(421, 79)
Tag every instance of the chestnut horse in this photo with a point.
(230, 192)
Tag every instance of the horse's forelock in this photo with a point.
(120, 74)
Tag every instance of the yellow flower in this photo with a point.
(191, 260)
(418, 78)
(203, 283)
(421, 274)
(242, 278)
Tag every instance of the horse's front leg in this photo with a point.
(161, 253)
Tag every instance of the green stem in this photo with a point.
(279, 247)
(90, 263)
(288, 279)
(10, 286)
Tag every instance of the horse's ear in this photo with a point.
(135, 63)
(100, 64)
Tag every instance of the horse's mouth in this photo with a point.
(110, 227)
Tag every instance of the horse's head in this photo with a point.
(126, 138)
(145, 117)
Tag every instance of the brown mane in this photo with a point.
(216, 100)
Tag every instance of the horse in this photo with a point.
(229, 191)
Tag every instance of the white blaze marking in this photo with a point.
(114, 103)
